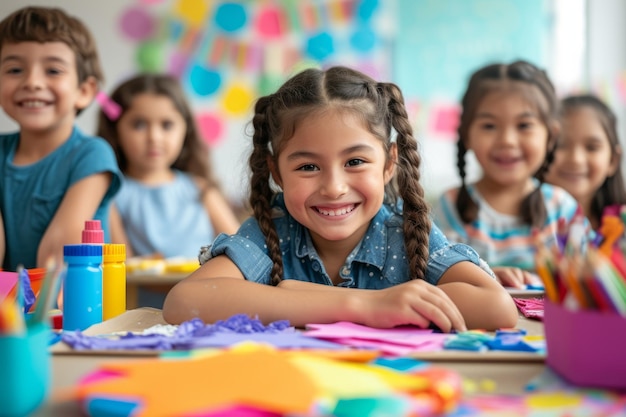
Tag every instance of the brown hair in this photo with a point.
(539, 88)
(381, 108)
(45, 24)
(194, 156)
(612, 190)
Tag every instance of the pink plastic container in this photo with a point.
(586, 347)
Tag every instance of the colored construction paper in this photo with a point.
(259, 378)
(256, 381)
(7, 282)
(399, 340)
(194, 334)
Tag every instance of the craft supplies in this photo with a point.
(113, 280)
(586, 305)
(82, 292)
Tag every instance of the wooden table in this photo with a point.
(507, 372)
(162, 282)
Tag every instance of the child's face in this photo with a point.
(152, 133)
(508, 138)
(583, 158)
(39, 86)
(333, 173)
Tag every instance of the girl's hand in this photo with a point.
(515, 277)
(415, 302)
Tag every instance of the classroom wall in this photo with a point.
(428, 47)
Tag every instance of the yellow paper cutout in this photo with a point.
(348, 380)
(192, 11)
(238, 100)
(553, 400)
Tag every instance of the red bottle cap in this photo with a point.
(93, 233)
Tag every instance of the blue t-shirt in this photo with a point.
(30, 195)
(378, 261)
(169, 218)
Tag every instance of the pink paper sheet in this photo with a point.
(396, 341)
(7, 282)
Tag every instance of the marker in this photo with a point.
(544, 269)
(612, 228)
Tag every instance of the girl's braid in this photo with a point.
(260, 189)
(465, 205)
(416, 214)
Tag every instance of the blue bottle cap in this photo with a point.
(82, 250)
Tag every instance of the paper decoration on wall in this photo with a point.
(137, 24)
(270, 23)
(227, 53)
(192, 12)
(230, 17)
(210, 126)
(238, 100)
(445, 119)
(204, 81)
(320, 46)
(363, 39)
(150, 56)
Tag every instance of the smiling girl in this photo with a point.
(510, 122)
(345, 233)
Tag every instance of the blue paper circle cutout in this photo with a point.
(230, 17)
(320, 46)
(366, 9)
(204, 81)
(363, 39)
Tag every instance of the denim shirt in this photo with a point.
(378, 261)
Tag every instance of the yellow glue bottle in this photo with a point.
(113, 280)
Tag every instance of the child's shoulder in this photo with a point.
(449, 195)
(8, 141)
(558, 201)
(554, 194)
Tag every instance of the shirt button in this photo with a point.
(345, 270)
(316, 266)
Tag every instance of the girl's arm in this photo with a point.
(483, 302)
(515, 277)
(217, 291)
(118, 233)
(220, 212)
(80, 203)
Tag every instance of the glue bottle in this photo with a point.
(113, 280)
(82, 291)
(92, 235)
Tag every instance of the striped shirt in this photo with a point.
(502, 239)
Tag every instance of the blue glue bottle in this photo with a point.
(82, 291)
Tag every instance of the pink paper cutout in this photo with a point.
(269, 23)
(7, 282)
(137, 24)
(211, 128)
(445, 120)
(236, 411)
(395, 341)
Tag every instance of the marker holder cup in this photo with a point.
(25, 367)
(586, 347)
